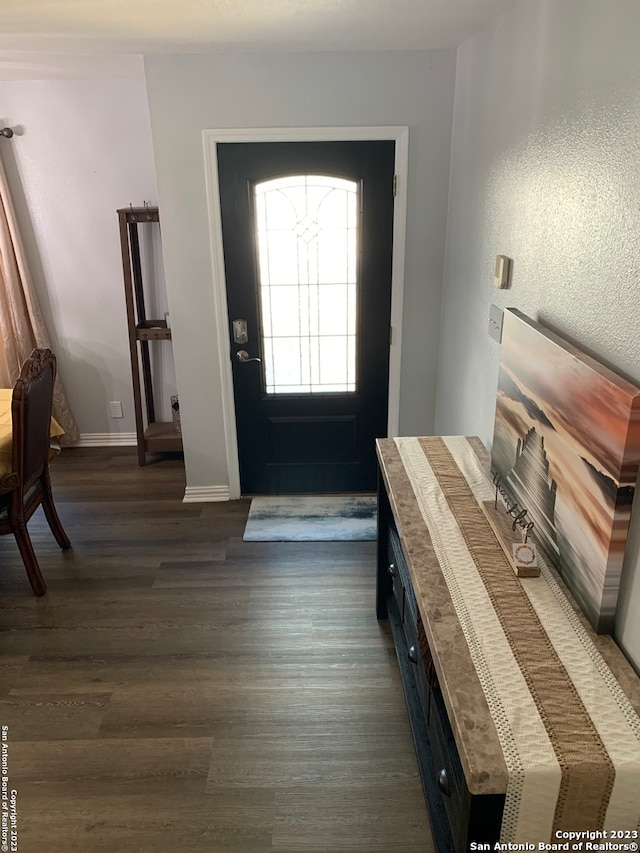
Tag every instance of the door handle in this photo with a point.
(243, 356)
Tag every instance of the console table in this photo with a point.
(525, 722)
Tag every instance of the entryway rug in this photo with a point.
(312, 519)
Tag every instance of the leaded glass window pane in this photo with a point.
(307, 243)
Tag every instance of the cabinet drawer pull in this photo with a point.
(443, 782)
(413, 654)
(392, 570)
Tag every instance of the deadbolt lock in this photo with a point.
(240, 334)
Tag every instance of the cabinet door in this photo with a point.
(393, 570)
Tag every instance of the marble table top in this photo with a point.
(474, 728)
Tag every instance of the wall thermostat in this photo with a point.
(503, 268)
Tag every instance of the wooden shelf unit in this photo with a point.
(153, 436)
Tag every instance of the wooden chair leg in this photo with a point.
(54, 522)
(30, 560)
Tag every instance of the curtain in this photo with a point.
(21, 321)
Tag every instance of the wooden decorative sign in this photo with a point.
(522, 556)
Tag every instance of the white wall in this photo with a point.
(190, 93)
(546, 169)
(82, 149)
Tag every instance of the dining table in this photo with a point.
(6, 432)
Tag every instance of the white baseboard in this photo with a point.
(192, 494)
(205, 494)
(107, 439)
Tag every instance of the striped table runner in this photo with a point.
(569, 735)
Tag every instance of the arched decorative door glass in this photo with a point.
(307, 265)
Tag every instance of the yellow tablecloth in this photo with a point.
(6, 433)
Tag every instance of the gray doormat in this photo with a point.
(312, 519)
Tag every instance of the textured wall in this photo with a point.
(83, 150)
(546, 169)
(190, 93)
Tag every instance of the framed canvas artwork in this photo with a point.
(566, 448)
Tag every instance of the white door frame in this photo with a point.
(210, 139)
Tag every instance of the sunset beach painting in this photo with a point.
(566, 447)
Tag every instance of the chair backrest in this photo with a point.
(31, 406)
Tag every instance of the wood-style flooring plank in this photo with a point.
(381, 817)
(145, 816)
(53, 715)
(180, 689)
(89, 760)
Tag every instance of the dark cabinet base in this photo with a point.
(457, 816)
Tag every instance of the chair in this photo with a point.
(28, 485)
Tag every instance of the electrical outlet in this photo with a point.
(115, 407)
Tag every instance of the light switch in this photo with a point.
(503, 268)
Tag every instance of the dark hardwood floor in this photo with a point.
(178, 689)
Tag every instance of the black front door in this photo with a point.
(307, 233)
